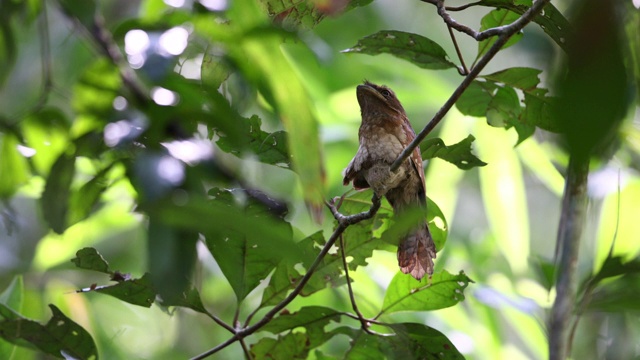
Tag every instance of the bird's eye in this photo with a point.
(385, 92)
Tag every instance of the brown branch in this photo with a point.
(504, 33)
(462, 70)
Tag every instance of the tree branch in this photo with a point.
(574, 203)
(504, 33)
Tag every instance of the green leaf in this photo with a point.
(518, 77)
(539, 110)
(313, 318)
(290, 346)
(214, 70)
(550, 19)
(411, 341)
(90, 259)
(60, 337)
(12, 297)
(414, 48)
(440, 291)
(189, 299)
(97, 88)
(504, 108)
(495, 18)
(134, 291)
(83, 10)
(83, 201)
(47, 132)
(243, 260)
(13, 166)
(618, 295)
(270, 148)
(475, 100)
(458, 154)
(57, 190)
(8, 51)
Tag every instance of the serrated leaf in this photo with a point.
(13, 166)
(270, 148)
(440, 291)
(134, 291)
(60, 335)
(90, 259)
(496, 18)
(518, 77)
(57, 190)
(458, 154)
(414, 48)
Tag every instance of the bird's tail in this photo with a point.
(416, 252)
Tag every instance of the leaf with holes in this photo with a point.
(419, 50)
(440, 291)
(60, 336)
(90, 259)
(459, 154)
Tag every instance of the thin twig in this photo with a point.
(363, 322)
(462, 7)
(462, 70)
(245, 349)
(505, 32)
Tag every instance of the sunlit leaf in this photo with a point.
(90, 259)
(13, 166)
(440, 291)
(96, 89)
(495, 18)
(60, 335)
(414, 48)
(54, 200)
(8, 51)
(84, 200)
(47, 132)
(458, 154)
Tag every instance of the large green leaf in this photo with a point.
(504, 108)
(59, 337)
(293, 345)
(414, 48)
(496, 18)
(475, 100)
(242, 259)
(12, 297)
(518, 77)
(458, 154)
(440, 291)
(313, 319)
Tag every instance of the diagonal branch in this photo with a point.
(504, 33)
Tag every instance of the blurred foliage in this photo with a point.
(176, 155)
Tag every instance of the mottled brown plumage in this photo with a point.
(385, 131)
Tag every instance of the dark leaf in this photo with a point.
(270, 148)
(83, 10)
(539, 109)
(189, 299)
(414, 48)
(496, 18)
(60, 337)
(57, 190)
(90, 259)
(617, 295)
(458, 154)
(440, 291)
(8, 51)
(313, 318)
(289, 346)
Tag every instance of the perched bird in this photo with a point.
(385, 131)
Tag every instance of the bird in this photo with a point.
(383, 134)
